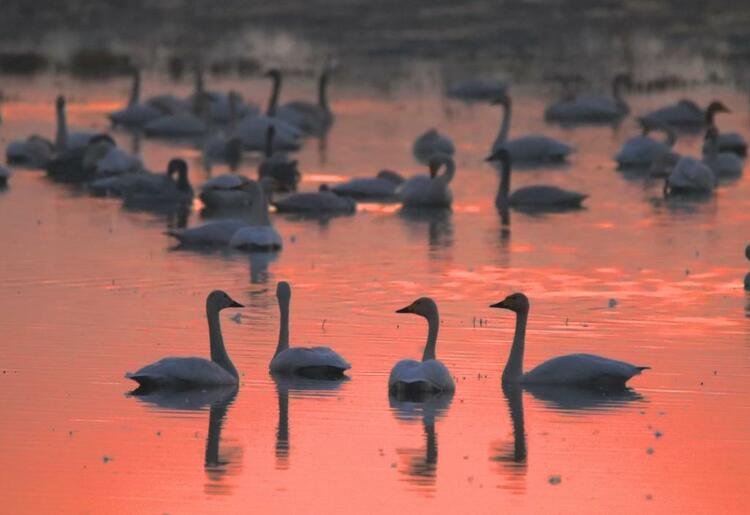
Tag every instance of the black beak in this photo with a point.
(407, 309)
(236, 304)
(500, 304)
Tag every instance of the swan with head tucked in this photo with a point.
(724, 164)
(120, 185)
(79, 164)
(586, 370)
(381, 187)
(430, 191)
(311, 118)
(727, 141)
(531, 198)
(136, 113)
(429, 375)
(688, 176)
(641, 151)
(324, 201)
(191, 372)
(315, 362)
(592, 108)
(226, 191)
(532, 149)
(33, 152)
(259, 233)
(430, 143)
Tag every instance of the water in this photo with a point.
(92, 290)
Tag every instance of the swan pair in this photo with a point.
(316, 362)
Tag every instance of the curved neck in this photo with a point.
(259, 210)
(713, 147)
(433, 324)
(182, 181)
(450, 171)
(135, 91)
(504, 190)
(710, 116)
(218, 352)
(322, 92)
(274, 100)
(514, 396)
(514, 367)
(502, 135)
(283, 325)
(61, 138)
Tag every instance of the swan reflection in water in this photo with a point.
(512, 457)
(421, 465)
(218, 463)
(439, 222)
(301, 387)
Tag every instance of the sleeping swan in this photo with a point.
(429, 375)
(585, 370)
(313, 362)
(190, 372)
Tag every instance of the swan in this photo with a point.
(33, 152)
(381, 187)
(531, 149)
(170, 191)
(79, 164)
(430, 143)
(211, 234)
(117, 161)
(592, 108)
(64, 139)
(572, 369)
(220, 107)
(690, 176)
(476, 89)
(259, 234)
(187, 372)
(686, 114)
(316, 362)
(178, 125)
(277, 166)
(120, 185)
(4, 176)
(532, 198)
(724, 164)
(431, 191)
(313, 119)
(226, 191)
(225, 146)
(642, 150)
(320, 202)
(429, 375)
(136, 113)
(727, 141)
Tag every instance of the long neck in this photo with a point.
(182, 181)
(713, 147)
(283, 325)
(218, 352)
(514, 368)
(135, 92)
(502, 135)
(504, 190)
(431, 454)
(710, 116)
(450, 171)
(217, 413)
(61, 138)
(433, 324)
(274, 100)
(282, 431)
(322, 92)
(514, 396)
(259, 212)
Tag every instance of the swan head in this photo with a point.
(717, 107)
(218, 300)
(502, 99)
(177, 166)
(273, 73)
(499, 155)
(517, 302)
(423, 306)
(283, 290)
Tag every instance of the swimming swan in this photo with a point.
(323, 201)
(531, 198)
(136, 113)
(429, 375)
(381, 187)
(641, 151)
(33, 152)
(227, 191)
(592, 108)
(278, 166)
(572, 369)
(314, 362)
(430, 191)
(313, 119)
(187, 372)
(259, 234)
(169, 191)
(724, 164)
(728, 141)
(430, 143)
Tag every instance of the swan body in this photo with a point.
(690, 176)
(725, 141)
(683, 113)
(117, 162)
(179, 125)
(641, 151)
(539, 197)
(320, 202)
(79, 164)
(476, 89)
(169, 104)
(259, 233)
(429, 375)
(311, 118)
(188, 372)
(169, 191)
(585, 370)
(211, 234)
(321, 362)
(723, 164)
(252, 131)
(33, 152)
(382, 186)
(531, 149)
(278, 167)
(431, 191)
(226, 191)
(120, 185)
(591, 108)
(430, 143)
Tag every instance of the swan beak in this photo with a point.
(236, 304)
(407, 309)
(500, 304)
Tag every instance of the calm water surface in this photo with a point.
(92, 290)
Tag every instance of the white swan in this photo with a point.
(476, 90)
(313, 119)
(429, 375)
(430, 143)
(724, 164)
(431, 191)
(592, 108)
(278, 166)
(727, 141)
(32, 152)
(641, 151)
(65, 140)
(531, 149)
(317, 362)
(321, 202)
(690, 176)
(572, 369)
(381, 187)
(187, 372)
(531, 198)
(211, 234)
(167, 192)
(136, 113)
(226, 191)
(259, 233)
